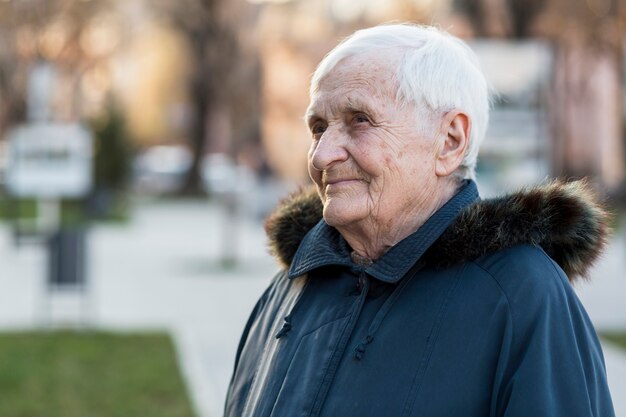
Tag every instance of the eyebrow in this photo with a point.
(351, 105)
(356, 105)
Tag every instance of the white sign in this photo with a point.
(49, 161)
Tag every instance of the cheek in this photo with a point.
(385, 154)
(409, 168)
(374, 157)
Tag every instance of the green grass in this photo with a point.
(90, 374)
(618, 339)
(11, 209)
(73, 212)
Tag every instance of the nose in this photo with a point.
(328, 150)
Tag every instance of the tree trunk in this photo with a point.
(201, 102)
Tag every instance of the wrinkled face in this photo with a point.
(367, 157)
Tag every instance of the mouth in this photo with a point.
(342, 181)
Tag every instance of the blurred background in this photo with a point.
(142, 143)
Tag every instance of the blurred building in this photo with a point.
(554, 65)
(231, 77)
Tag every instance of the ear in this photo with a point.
(455, 129)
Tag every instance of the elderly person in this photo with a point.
(402, 293)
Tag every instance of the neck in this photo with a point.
(373, 236)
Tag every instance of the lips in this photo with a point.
(341, 180)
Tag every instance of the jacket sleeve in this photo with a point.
(254, 315)
(551, 362)
(251, 319)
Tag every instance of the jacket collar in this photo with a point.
(324, 245)
(563, 218)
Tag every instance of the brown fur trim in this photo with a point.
(290, 222)
(564, 218)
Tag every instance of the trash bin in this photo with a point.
(66, 260)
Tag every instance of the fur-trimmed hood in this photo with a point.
(564, 218)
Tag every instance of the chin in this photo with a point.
(337, 214)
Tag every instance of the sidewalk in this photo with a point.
(604, 297)
(162, 271)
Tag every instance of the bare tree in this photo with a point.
(23, 26)
(224, 81)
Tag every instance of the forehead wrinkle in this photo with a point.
(368, 85)
(324, 105)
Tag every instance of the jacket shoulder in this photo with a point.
(535, 288)
(523, 266)
(550, 340)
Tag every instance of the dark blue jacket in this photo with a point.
(470, 316)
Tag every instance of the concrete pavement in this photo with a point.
(604, 297)
(162, 271)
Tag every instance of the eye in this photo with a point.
(318, 129)
(361, 118)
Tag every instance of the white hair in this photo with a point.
(437, 72)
